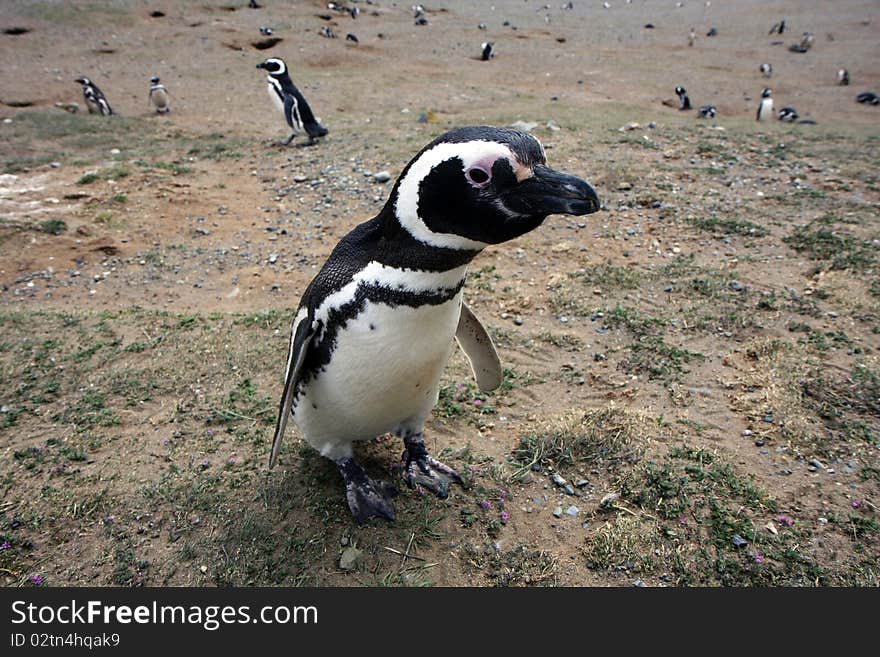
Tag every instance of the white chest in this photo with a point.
(766, 109)
(275, 95)
(383, 375)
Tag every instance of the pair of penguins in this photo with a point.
(97, 102)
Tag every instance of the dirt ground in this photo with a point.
(692, 379)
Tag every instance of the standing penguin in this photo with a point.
(95, 100)
(291, 102)
(159, 96)
(843, 77)
(684, 103)
(765, 109)
(766, 70)
(376, 325)
(487, 51)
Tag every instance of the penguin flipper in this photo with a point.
(291, 113)
(299, 342)
(477, 345)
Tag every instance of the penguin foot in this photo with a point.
(286, 142)
(367, 498)
(423, 470)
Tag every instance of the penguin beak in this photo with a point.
(261, 65)
(549, 191)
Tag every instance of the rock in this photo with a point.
(736, 286)
(557, 479)
(568, 490)
(382, 177)
(524, 126)
(624, 186)
(738, 541)
(572, 510)
(557, 512)
(580, 483)
(350, 558)
(815, 463)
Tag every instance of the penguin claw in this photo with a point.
(424, 471)
(367, 498)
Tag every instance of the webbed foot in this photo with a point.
(367, 498)
(423, 470)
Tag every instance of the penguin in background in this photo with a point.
(684, 102)
(290, 101)
(94, 97)
(765, 109)
(843, 77)
(158, 96)
(766, 70)
(707, 112)
(788, 115)
(379, 321)
(488, 51)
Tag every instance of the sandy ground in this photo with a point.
(188, 239)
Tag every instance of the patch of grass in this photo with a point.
(657, 359)
(88, 179)
(610, 276)
(522, 565)
(172, 167)
(53, 226)
(820, 240)
(609, 436)
(632, 320)
(719, 226)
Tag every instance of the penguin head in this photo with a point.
(479, 185)
(274, 66)
(679, 91)
(84, 81)
(767, 93)
(154, 79)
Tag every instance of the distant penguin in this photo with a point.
(94, 97)
(766, 70)
(778, 28)
(158, 96)
(788, 114)
(421, 20)
(765, 109)
(266, 31)
(843, 77)
(692, 37)
(805, 44)
(868, 98)
(327, 32)
(351, 37)
(684, 103)
(487, 51)
(253, 4)
(712, 32)
(707, 112)
(291, 102)
(482, 26)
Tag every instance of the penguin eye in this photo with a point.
(478, 176)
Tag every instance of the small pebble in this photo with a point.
(738, 541)
(382, 177)
(557, 512)
(572, 510)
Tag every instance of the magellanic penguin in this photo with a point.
(684, 103)
(843, 77)
(765, 109)
(376, 325)
(291, 102)
(95, 100)
(766, 70)
(788, 114)
(707, 112)
(159, 96)
(487, 51)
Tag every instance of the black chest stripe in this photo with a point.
(321, 348)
